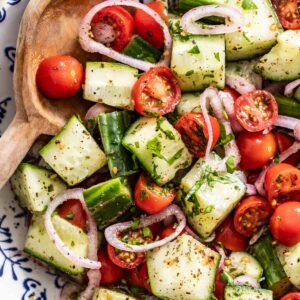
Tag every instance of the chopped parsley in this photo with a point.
(230, 164)
(69, 216)
(194, 50)
(189, 73)
(169, 134)
(217, 56)
(248, 4)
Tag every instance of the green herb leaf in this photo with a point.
(135, 223)
(217, 56)
(146, 232)
(69, 216)
(169, 134)
(230, 164)
(189, 73)
(209, 209)
(245, 37)
(224, 138)
(143, 195)
(226, 278)
(248, 4)
(194, 50)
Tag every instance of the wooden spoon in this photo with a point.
(48, 27)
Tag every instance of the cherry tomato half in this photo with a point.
(121, 21)
(130, 260)
(166, 231)
(110, 273)
(256, 110)
(289, 13)
(285, 223)
(156, 92)
(291, 296)
(59, 76)
(73, 212)
(229, 237)
(150, 197)
(256, 149)
(282, 183)
(138, 277)
(284, 141)
(194, 132)
(147, 27)
(251, 214)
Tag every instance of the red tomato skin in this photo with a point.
(278, 184)
(219, 287)
(256, 149)
(110, 273)
(266, 109)
(148, 200)
(59, 76)
(234, 94)
(291, 296)
(144, 80)
(148, 28)
(285, 223)
(138, 277)
(72, 211)
(122, 264)
(229, 237)
(124, 22)
(288, 13)
(251, 202)
(284, 141)
(195, 144)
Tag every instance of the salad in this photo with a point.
(182, 182)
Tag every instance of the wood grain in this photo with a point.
(48, 27)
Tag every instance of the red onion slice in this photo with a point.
(223, 257)
(188, 20)
(274, 87)
(205, 99)
(246, 280)
(91, 262)
(294, 148)
(289, 88)
(251, 189)
(259, 183)
(97, 109)
(94, 277)
(90, 45)
(289, 123)
(111, 232)
(228, 104)
(68, 290)
(239, 84)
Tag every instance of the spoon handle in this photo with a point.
(14, 144)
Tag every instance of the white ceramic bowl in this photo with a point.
(20, 277)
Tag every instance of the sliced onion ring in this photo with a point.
(223, 257)
(91, 262)
(188, 20)
(246, 280)
(288, 90)
(94, 277)
(90, 45)
(289, 123)
(241, 85)
(111, 233)
(97, 109)
(251, 189)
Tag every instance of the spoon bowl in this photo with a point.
(48, 27)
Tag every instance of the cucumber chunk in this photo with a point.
(290, 260)
(198, 61)
(188, 103)
(112, 128)
(258, 34)
(109, 83)
(108, 294)
(283, 61)
(244, 70)
(208, 197)
(35, 186)
(41, 246)
(242, 263)
(108, 200)
(159, 148)
(73, 153)
(276, 279)
(238, 292)
(182, 269)
(141, 49)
